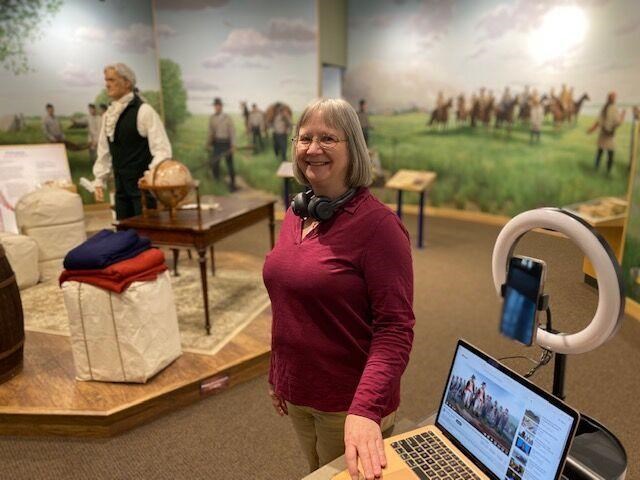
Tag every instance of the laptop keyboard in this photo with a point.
(430, 458)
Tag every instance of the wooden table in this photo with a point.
(417, 181)
(201, 229)
(285, 171)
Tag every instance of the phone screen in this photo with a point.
(519, 310)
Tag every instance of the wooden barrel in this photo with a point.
(11, 322)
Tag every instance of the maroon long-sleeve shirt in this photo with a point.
(342, 310)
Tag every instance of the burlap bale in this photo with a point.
(48, 206)
(127, 337)
(50, 269)
(22, 253)
(54, 218)
(56, 241)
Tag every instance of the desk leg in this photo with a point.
(272, 227)
(202, 259)
(213, 261)
(399, 208)
(421, 221)
(286, 194)
(176, 256)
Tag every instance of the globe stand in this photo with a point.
(170, 196)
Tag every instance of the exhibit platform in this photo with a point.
(45, 398)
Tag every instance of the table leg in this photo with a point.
(202, 259)
(213, 261)
(176, 256)
(272, 227)
(286, 194)
(399, 208)
(421, 222)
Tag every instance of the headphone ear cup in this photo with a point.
(320, 208)
(299, 204)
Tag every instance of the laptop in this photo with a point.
(491, 424)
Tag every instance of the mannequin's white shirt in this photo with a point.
(149, 125)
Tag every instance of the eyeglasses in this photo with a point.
(325, 142)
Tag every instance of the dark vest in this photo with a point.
(130, 152)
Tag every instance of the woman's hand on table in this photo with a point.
(363, 439)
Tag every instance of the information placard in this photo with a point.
(23, 168)
(411, 180)
(285, 170)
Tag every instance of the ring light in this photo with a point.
(609, 314)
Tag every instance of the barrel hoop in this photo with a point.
(12, 350)
(7, 281)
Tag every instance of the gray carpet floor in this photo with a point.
(236, 435)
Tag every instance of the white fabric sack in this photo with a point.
(127, 337)
(22, 253)
(50, 269)
(55, 241)
(54, 218)
(48, 206)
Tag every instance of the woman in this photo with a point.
(608, 121)
(341, 293)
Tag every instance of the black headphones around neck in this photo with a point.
(307, 204)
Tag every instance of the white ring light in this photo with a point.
(610, 311)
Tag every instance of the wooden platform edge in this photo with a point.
(104, 426)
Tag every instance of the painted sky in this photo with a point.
(250, 50)
(401, 52)
(76, 44)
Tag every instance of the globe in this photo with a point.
(170, 181)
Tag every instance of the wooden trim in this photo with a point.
(452, 213)
(107, 424)
(95, 207)
(632, 308)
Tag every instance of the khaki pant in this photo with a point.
(321, 434)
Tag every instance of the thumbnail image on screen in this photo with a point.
(484, 405)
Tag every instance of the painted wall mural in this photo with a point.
(497, 96)
(61, 47)
(241, 50)
(66, 52)
(244, 52)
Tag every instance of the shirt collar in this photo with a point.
(352, 205)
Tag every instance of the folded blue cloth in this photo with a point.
(106, 248)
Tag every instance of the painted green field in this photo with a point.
(257, 170)
(631, 255)
(482, 169)
(478, 169)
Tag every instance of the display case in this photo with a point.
(607, 215)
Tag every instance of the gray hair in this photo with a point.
(340, 115)
(123, 71)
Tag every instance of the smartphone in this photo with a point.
(525, 283)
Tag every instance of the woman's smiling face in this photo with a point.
(326, 169)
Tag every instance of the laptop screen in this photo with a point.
(508, 425)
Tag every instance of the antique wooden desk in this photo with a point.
(200, 229)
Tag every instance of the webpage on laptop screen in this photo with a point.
(514, 432)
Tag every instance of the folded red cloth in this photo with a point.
(118, 276)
